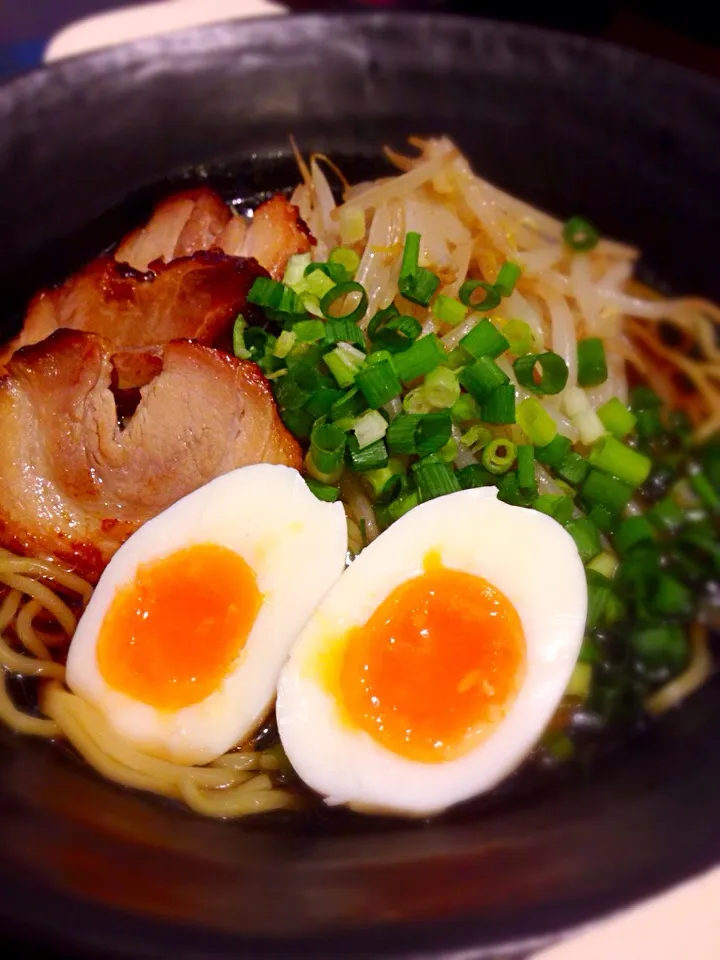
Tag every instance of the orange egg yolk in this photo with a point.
(173, 633)
(435, 667)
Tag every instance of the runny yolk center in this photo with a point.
(435, 667)
(172, 634)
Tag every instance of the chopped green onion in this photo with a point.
(609, 492)
(490, 300)
(589, 649)
(704, 489)
(592, 365)
(432, 433)
(344, 331)
(580, 235)
(509, 491)
(603, 519)
(309, 331)
(670, 598)
(379, 356)
(555, 505)
(507, 278)
(386, 482)
(643, 398)
(322, 400)
(321, 277)
(419, 359)
(295, 270)
(526, 467)
(549, 379)
(290, 395)
(270, 294)
(349, 404)
(667, 515)
(327, 447)
(448, 310)
(416, 401)
(368, 428)
(411, 254)
(298, 422)
(616, 418)
(499, 455)
(552, 454)
(305, 355)
(322, 491)
(372, 457)
(482, 377)
(573, 468)
(612, 456)
(415, 282)
(579, 684)
(346, 258)
(599, 593)
(238, 337)
(261, 344)
(475, 475)
(402, 504)
(352, 224)
(419, 286)
(586, 537)
(649, 423)
(631, 531)
(446, 453)
(499, 407)
(465, 409)
(441, 387)
(476, 437)
(344, 362)
(604, 563)
(379, 383)
(394, 332)
(401, 433)
(347, 289)
(284, 344)
(434, 480)
(659, 647)
(458, 357)
(519, 336)
(537, 424)
(421, 434)
(484, 340)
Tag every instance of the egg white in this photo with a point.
(524, 554)
(296, 546)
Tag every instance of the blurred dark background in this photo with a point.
(687, 32)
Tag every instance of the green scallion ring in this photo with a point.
(396, 333)
(580, 235)
(335, 271)
(553, 372)
(342, 290)
(489, 302)
(327, 447)
(499, 455)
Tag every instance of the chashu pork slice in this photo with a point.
(195, 297)
(74, 484)
(196, 220)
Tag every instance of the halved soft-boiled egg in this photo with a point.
(434, 664)
(183, 640)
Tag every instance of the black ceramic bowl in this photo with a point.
(572, 126)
